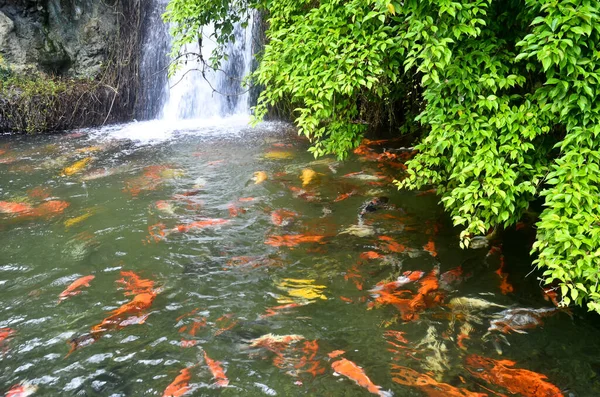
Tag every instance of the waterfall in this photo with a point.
(195, 91)
(154, 61)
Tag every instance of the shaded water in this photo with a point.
(131, 208)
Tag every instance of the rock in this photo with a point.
(70, 38)
(7, 27)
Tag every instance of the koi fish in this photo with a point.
(362, 176)
(246, 199)
(291, 240)
(516, 381)
(272, 311)
(430, 247)
(465, 303)
(505, 286)
(426, 192)
(235, 211)
(303, 194)
(199, 225)
(450, 277)
(371, 255)
(76, 167)
(359, 230)
(22, 390)
(519, 319)
(180, 386)
(278, 155)
(391, 245)
(49, 209)
(407, 277)
(6, 333)
(134, 284)
(282, 217)
(11, 207)
(39, 193)
(259, 177)
(551, 295)
(353, 372)
(335, 353)
(305, 290)
(217, 371)
(225, 323)
(409, 377)
(275, 342)
(74, 221)
(308, 176)
(165, 207)
(116, 319)
(344, 196)
(72, 289)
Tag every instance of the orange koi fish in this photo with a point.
(49, 208)
(246, 199)
(370, 255)
(505, 286)
(9, 207)
(72, 289)
(335, 353)
(225, 323)
(5, 333)
(551, 295)
(426, 192)
(272, 311)
(308, 362)
(180, 386)
(353, 372)
(199, 225)
(235, 211)
(38, 193)
(354, 274)
(430, 247)
(282, 217)
(21, 390)
(392, 245)
(516, 381)
(409, 377)
(303, 194)
(344, 196)
(292, 240)
(134, 284)
(217, 371)
(117, 318)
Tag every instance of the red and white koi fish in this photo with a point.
(22, 390)
(406, 278)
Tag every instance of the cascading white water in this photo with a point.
(198, 92)
(190, 102)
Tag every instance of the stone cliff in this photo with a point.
(58, 37)
(68, 63)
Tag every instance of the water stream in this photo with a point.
(216, 259)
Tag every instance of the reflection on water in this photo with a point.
(153, 259)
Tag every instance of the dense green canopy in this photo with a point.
(508, 98)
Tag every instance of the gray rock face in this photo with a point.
(60, 37)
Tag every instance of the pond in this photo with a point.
(215, 259)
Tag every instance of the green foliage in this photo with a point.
(508, 99)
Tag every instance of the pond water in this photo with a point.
(197, 242)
